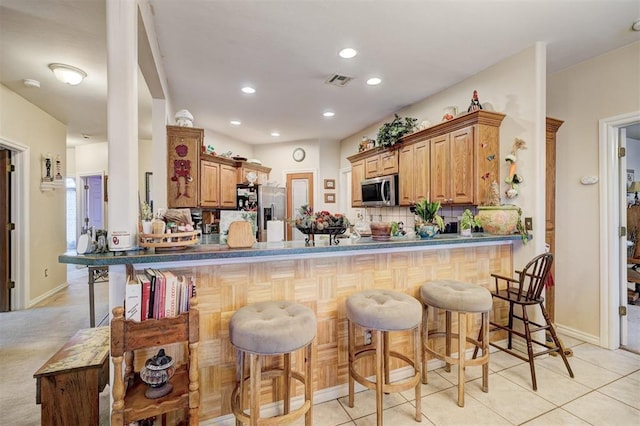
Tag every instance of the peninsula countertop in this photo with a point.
(211, 251)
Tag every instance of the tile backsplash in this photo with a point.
(403, 214)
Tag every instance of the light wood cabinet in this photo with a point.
(414, 173)
(183, 164)
(261, 171)
(464, 157)
(452, 175)
(209, 184)
(382, 164)
(357, 176)
(217, 182)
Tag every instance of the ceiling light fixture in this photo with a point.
(348, 53)
(235, 122)
(248, 90)
(374, 81)
(636, 25)
(328, 113)
(68, 74)
(275, 134)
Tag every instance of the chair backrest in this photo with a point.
(534, 276)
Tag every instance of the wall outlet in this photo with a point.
(528, 224)
(367, 337)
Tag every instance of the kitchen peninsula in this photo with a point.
(320, 277)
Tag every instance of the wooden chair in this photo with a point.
(526, 292)
(129, 401)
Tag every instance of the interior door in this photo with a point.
(5, 230)
(299, 193)
(91, 196)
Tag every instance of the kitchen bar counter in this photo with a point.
(214, 251)
(320, 277)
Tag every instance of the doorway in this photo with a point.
(613, 176)
(299, 193)
(5, 230)
(90, 196)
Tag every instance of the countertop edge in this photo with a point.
(204, 252)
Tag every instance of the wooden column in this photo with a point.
(550, 210)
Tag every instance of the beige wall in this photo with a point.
(24, 124)
(511, 87)
(602, 87)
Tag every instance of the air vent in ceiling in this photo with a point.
(338, 80)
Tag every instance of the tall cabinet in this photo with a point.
(550, 204)
(183, 162)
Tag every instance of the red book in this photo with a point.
(146, 293)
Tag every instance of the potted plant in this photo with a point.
(391, 132)
(428, 221)
(467, 221)
(146, 215)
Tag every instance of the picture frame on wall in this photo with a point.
(329, 184)
(630, 177)
(329, 198)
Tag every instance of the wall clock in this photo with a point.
(298, 154)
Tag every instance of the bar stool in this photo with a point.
(462, 298)
(271, 329)
(382, 311)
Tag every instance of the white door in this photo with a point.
(299, 193)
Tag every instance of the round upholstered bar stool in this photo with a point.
(383, 311)
(271, 329)
(463, 299)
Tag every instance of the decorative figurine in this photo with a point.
(513, 179)
(184, 118)
(475, 103)
(156, 373)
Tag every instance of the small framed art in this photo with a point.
(329, 184)
(329, 198)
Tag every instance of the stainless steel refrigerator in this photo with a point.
(268, 202)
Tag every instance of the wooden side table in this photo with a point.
(69, 383)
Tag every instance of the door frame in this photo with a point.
(81, 200)
(612, 263)
(20, 216)
(285, 173)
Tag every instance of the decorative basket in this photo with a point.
(332, 231)
(173, 241)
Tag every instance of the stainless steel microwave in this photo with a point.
(380, 192)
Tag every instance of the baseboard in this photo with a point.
(48, 294)
(577, 334)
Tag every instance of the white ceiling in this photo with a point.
(286, 49)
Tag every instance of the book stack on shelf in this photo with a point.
(156, 294)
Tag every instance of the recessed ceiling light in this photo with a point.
(275, 134)
(235, 122)
(348, 53)
(328, 113)
(248, 90)
(636, 25)
(68, 74)
(374, 81)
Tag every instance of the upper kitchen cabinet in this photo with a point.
(414, 172)
(464, 157)
(262, 173)
(183, 163)
(217, 182)
(382, 164)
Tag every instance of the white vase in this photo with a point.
(147, 227)
(465, 232)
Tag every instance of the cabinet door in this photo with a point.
(406, 176)
(209, 184)
(228, 178)
(183, 158)
(372, 167)
(420, 171)
(440, 175)
(388, 163)
(462, 173)
(357, 176)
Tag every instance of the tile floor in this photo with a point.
(605, 391)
